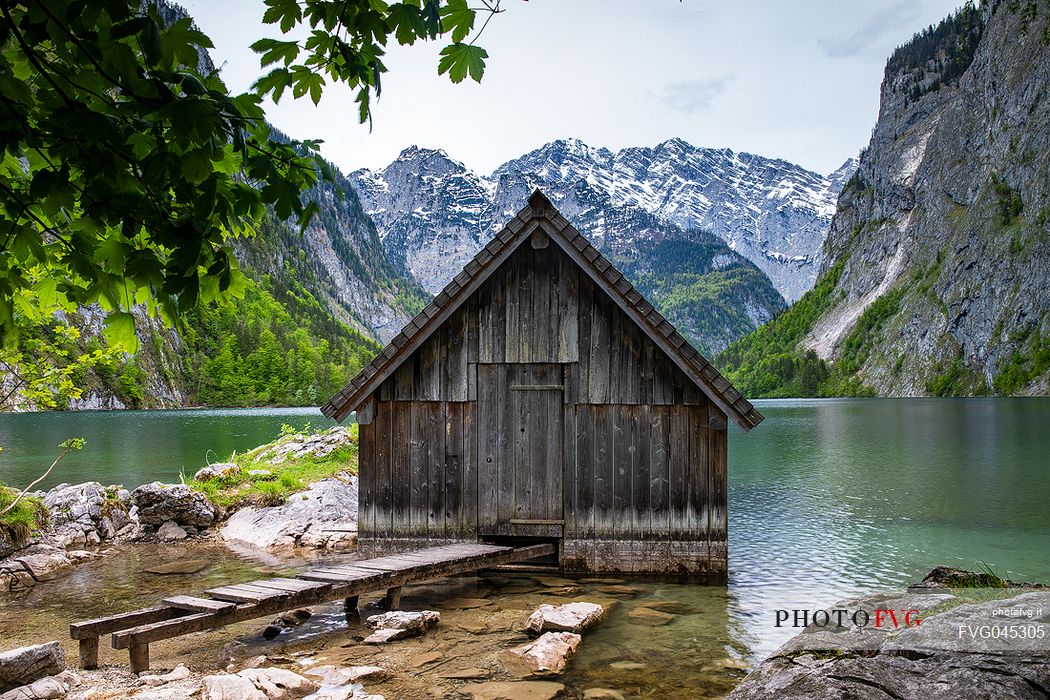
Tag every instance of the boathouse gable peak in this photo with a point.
(538, 225)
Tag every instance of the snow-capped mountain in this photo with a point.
(434, 214)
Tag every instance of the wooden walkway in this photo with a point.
(184, 614)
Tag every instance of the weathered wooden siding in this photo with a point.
(418, 479)
(541, 409)
(647, 488)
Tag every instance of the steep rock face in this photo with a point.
(948, 213)
(340, 260)
(434, 214)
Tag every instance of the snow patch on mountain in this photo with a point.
(434, 214)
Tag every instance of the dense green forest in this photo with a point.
(701, 289)
(769, 363)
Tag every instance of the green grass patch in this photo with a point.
(284, 478)
(26, 519)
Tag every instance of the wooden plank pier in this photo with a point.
(225, 605)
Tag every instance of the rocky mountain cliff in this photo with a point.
(434, 214)
(936, 270)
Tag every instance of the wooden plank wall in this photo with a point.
(645, 489)
(418, 480)
(643, 458)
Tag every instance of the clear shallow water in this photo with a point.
(828, 499)
(136, 447)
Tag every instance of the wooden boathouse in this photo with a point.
(541, 399)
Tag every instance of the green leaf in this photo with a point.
(460, 59)
(119, 331)
(458, 18)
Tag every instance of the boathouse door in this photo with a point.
(520, 455)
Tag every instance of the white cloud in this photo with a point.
(691, 96)
(869, 35)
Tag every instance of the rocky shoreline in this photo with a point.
(85, 519)
(973, 635)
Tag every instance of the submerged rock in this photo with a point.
(158, 503)
(22, 666)
(323, 516)
(545, 656)
(571, 617)
(182, 566)
(398, 624)
(650, 617)
(512, 690)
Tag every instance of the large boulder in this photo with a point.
(43, 562)
(933, 660)
(25, 665)
(545, 656)
(398, 624)
(571, 617)
(47, 688)
(158, 503)
(86, 514)
(323, 516)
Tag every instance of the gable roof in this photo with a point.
(540, 214)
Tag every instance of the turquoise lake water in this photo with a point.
(827, 498)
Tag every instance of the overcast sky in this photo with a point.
(795, 80)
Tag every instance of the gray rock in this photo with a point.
(22, 666)
(323, 516)
(46, 688)
(334, 676)
(929, 660)
(318, 445)
(158, 503)
(87, 514)
(219, 471)
(7, 544)
(44, 562)
(398, 624)
(571, 617)
(279, 683)
(547, 655)
(170, 532)
(230, 687)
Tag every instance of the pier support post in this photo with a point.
(392, 601)
(139, 657)
(89, 653)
